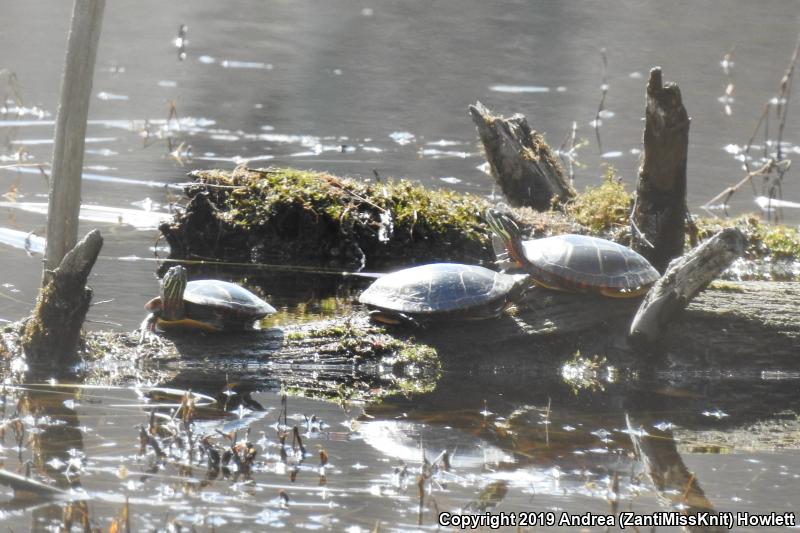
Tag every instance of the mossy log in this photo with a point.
(291, 217)
(753, 325)
(521, 162)
(660, 210)
(52, 334)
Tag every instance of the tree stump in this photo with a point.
(51, 336)
(660, 209)
(521, 161)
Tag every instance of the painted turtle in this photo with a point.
(208, 304)
(440, 291)
(576, 262)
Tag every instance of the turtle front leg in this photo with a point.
(148, 328)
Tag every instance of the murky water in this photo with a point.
(354, 87)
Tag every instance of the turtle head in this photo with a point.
(505, 228)
(172, 287)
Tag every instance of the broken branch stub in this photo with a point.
(52, 334)
(521, 162)
(684, 279)
(660, 210)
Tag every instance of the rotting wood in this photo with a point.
(684, 279)
(521, 161)
(658, 220)
(70, 133)
(51, 336)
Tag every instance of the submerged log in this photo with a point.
(51, 336)
(521, 161)
(684, 279)
(660, 209)
(739, 325)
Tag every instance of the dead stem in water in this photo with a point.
(773, 165)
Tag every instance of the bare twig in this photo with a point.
(773, 163)
(568, 151)
(602, 106)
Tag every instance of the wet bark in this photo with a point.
(660, 210)
(51, 336)
(521, 161)
(684, 279)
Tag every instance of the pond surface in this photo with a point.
(356, 88)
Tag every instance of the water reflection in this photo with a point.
(237, 452)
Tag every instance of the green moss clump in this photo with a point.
(604, 208)
(316, 217)
(763, 239)
(782, 241)
(419, 354)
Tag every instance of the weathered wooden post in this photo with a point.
(70, 134)
(522, 164)
(660, 210)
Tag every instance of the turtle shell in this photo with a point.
(226, 299)
(590, 262)
(440, 288)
